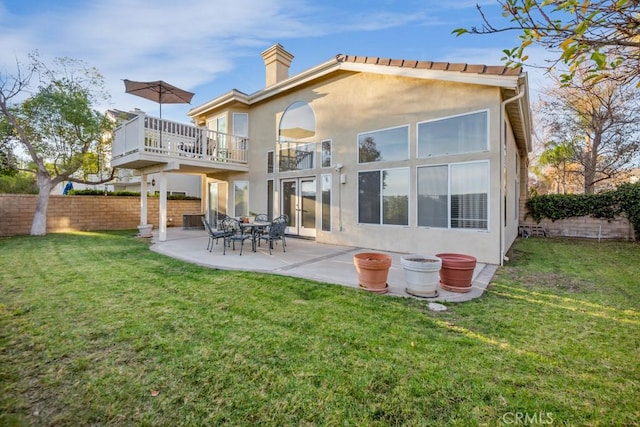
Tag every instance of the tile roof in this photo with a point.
(429, 65)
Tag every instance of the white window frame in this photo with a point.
(235, 213)
(381, 198)
(311, 147)
(450, 166)
(273, 161)
(407, 126)
(244, 134)
(419, 155)
(330, 153)
(322, 205)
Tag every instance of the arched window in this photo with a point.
(295, 137)
(298, 123)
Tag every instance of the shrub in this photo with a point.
(90, 192)
(624, 200)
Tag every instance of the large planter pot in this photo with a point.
(456, 273)
(422, 274)
(373, 271)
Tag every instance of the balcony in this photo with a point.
(150, 144)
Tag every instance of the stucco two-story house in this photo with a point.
(398, 155)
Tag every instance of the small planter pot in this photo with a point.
(145, 230)
(456, 273)
(373, 271)
(422, 274)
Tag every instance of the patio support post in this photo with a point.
(143, 199)
(204, 190)
(162, 234)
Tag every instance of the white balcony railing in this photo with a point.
(151, 135)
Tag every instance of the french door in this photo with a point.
(299, 203)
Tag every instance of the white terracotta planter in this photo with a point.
(422, 274)
(145, 230)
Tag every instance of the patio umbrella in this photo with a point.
(158, 91)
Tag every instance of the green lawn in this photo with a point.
(97, 329)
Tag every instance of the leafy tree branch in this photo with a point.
(598, 36)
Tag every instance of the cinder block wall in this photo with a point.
(585, 226)
(86, 213)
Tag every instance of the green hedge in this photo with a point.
(624, 200)
(89, 192)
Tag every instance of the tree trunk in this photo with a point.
(589, 176)
(39, 224)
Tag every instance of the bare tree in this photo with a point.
(55, 123)
(596, 36)
(600, 122)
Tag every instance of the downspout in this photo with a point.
(503, 113)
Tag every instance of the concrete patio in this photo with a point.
(303, 258)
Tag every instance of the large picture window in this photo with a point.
(433, 196)
(467, 133)
(454, 196)
(383, 197)
(384, 145)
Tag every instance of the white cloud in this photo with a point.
(186, 44)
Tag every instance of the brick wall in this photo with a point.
(584, 226)
(71, 213)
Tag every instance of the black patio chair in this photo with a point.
(233, 233)
(259, 232)
(276, 233)
(213, 234)
(262, 218)
(285, 219)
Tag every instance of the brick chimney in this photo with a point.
(276, 62)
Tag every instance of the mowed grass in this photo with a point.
(95, 329)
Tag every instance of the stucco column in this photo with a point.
(143, 199)
(162, 211)
(204, 194)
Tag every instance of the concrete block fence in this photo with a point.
(588, 227)
(86, 213)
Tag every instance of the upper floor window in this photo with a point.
(467, 133)
(298, 123)
(219, 126)
(297, 150)
(241, 124)
(384, 145)
(326, 153)
(293, 157)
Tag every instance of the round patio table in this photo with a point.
(254, 227)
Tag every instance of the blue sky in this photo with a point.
(210, 46)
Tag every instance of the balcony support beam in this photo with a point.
(143, 199)
(162, 233)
